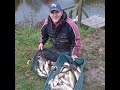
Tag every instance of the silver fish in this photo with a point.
(59, 87)
(66, 69)
(42, 59)
(77, 74)
(78, 69)
(61, 75)
(55, 81)
(67, 87)
(72, 79)
(67, 76)
(51, 84)
(41, 67)
(46, 68)
(66, 64)
(60, 82)
(40, 73)
(65, 81)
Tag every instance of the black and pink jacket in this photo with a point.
(65, 38)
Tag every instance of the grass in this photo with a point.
(26, 45)
(84, 32)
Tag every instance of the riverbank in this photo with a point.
(92, 47)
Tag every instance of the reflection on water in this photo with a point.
(36, 5)
(32, 11)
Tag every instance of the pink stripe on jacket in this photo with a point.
(45, 22)
(77, 36)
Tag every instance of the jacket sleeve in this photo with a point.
(75, 40)
(43, 35)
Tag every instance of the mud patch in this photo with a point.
(93, 48)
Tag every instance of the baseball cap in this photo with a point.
(55, 6)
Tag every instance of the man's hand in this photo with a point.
(40, 47)
(74, 57)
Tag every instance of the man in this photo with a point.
(63, 33)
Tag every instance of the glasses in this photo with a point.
(54, 11)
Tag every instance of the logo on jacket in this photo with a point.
(63, 35)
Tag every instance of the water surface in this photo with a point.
(32, 11)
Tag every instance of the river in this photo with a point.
(30, 12)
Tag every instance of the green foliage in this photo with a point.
(84, 32)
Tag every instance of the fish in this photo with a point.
(66, 69)
(55, 80)
(38, 56)
(61, 75)
(60, 82)
(67, 76)
(77, 74)
(41, 67)
(59, 87)
(66, 64)
(46, 68)
(40, 73)
(72, 79)
(51, 83)
(67, 87)
(78, 69)
(65, 81)
(42, 59)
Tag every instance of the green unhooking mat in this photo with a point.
(60, 61)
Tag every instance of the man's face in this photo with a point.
(55, 15)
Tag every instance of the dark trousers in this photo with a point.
(52, 53)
